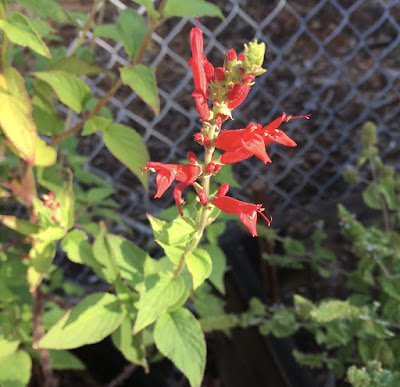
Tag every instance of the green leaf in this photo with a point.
(133, 30)
(24, 227)
(93, 319)
(8, 347)
(78, 249)
(131, 346)
(102, 254)
(44, 155)
(193, 8)
(16, 114)
(215, 230)
(41, 256)
(128, 147)
(129, 258)
(70, 89)
(142, 81)
(94, 124)
(334, 309)
(47, 9)
(15, 370)
(293, 247)
(313, 360)
(179, 337)
(200, 266)
(302, 306)
(45, 116)
(148, 4)
(160, 291)
(225, 175)
(172, 233)
(65, 360)
(283, 324)
(20, 31)
(75, 65)
(218, 266)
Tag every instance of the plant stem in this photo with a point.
(143, 48)
(3, 53)
(38, 332)
(205, 209)
(85, 29)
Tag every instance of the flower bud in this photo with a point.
(231, 55)
(192, 157)
(210, 168)
(202, 197)
(223, 190)
(368, 134)
(220, 73)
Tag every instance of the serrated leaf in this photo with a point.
(313, 360)
(193, 8)
(131, 346)
(77, 247)
(172, 233)
(218, 266)
(93, 319)
(142, 81)
(128, 147)
(16, 114)
(160, 291)
(15, 370)
(20, 31)
(65, 360)
(199, 265)
(332, 310)
(70, 89)
(179, 337)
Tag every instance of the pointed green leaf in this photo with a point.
(20, 31)
(133, 30)
(218, 266)
(93, 319)
(128, 147)
(179, 337)
(193, 8)
(8, 347)
(200, 266)
(172, 233)
(142, 81)
(16, 114)
(160, 291)
(70, 89)
(15, 370)
(131, 346)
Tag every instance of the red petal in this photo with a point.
(164, 180)
(254, 143)
(280, 137)
(201, 104)
(196, 62)
(229, 140)
(178, 195)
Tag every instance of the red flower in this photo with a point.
(240, 144)
(247, 211)
(202, 70)
(239, 92)
(167, 173)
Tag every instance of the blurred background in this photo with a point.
(338, 60)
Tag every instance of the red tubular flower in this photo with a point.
(239, 93)
(200, 65)
(247, 212)
(167, 173)
(242, 143)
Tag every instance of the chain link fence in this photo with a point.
(336, 59)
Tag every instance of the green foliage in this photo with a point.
(143, 82)
(179, 337)
(183, 8)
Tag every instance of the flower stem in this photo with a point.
(204, 210)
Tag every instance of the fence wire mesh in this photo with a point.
(336, 59)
